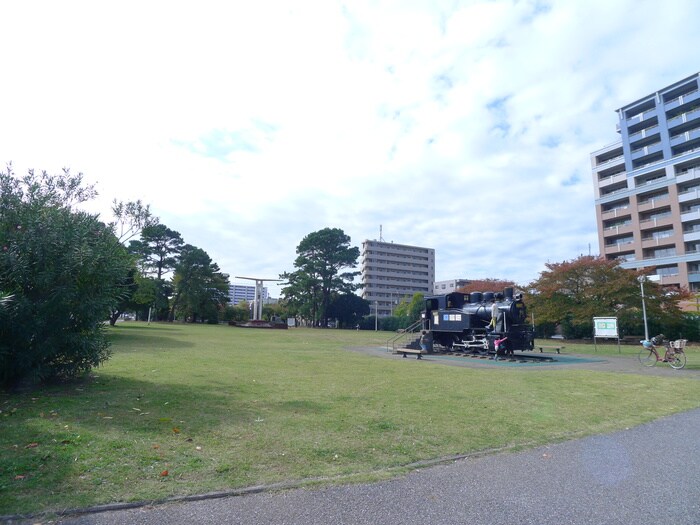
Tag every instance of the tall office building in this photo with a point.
(244, 292)
(647, 186)
(391, 272)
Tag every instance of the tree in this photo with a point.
(321, 256)
(302, 295)
(571, 293)
(64, 270)
(129, 287)
(348, 309)
(486, 285)
(130, 219)
(157, 253)
(158, 248)
(201, 290)
(411, 310)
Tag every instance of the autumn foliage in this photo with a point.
(571, 293)
(486, 285)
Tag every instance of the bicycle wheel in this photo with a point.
(647, 357)
(677, 360)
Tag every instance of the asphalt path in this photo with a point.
(649, 474)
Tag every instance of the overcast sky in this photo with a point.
(461, 126)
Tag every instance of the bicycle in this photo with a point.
(674, 354)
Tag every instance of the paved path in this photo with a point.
(647, 475)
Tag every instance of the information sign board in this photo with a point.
(605, 327)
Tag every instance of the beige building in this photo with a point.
(391, 272)
(647, 186)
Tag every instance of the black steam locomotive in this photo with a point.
(479, 322)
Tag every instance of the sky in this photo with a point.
(463, 126)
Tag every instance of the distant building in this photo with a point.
(391, 272)
(647, 186)
(442, 287)
(243, 292)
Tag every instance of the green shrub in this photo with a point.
(63, 269)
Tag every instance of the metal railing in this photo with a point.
(403, 337)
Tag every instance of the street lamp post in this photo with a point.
(641, 280)
(376, 315)
(644, 309)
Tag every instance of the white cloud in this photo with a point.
(464, 126)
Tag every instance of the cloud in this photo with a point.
(465, 126)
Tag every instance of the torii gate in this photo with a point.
(258, 302)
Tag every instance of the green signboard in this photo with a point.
(605, 327)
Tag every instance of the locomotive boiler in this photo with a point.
(479, 322)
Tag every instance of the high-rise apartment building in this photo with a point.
(391, 272)
(647, 186)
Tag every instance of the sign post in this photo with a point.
(605, 328)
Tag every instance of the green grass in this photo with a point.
(220, 408)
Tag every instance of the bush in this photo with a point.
(63, 270)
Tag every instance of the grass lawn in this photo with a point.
(194, 409)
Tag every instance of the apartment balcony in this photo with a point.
(694, 277)
(689, 195)
(614, 213)
(641, 117)
(613, 189)
(688, 175)
(614, 179)
(692, 235)
(618, 247)
(687, 136)
(683, 99)
(614, 231)
(690, 216)
(670, 280)
(689, 116)
(620, 159)
(657, 242)
(656, 223)
(644, 134)
(653, 203)
(646, 150)
(661, 181)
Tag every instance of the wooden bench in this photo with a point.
(404, 351)
(557, 348)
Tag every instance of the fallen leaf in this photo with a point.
(31, 445)
(176, 430)
(164, 473)
(156, 446)
(19, 477)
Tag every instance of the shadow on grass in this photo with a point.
(137, 340)
(65, 443)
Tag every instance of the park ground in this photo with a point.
(182, 410)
